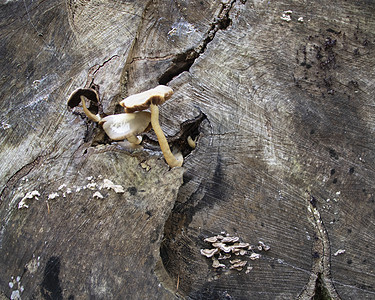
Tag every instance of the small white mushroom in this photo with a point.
(209, 252)
(340, 251)
(126, 126)
(151, 99)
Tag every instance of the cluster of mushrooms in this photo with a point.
(226, 246)
(135, 120)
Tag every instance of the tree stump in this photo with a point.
(279, 97)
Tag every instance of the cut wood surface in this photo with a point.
(279, 98)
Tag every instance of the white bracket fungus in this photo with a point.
(226, 246)
(209, 252)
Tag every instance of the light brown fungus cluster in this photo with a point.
(135, 120)
(230, 248)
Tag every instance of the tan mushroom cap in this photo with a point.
(142, 101)
(75, 98)
(126, 126)
(151, 99)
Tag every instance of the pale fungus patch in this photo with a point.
(286, 16)
(263, 246)
(238, 265)
(340, 251)
(212, 239)
(230, 239)
(223, 247)
(209, 252)
(29, 195)
(108, 184)
(254, 256)
(226, 246)
(98, 195)
(53, 196)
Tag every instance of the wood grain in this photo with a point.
(283, 117)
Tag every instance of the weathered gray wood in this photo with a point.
(283, 112)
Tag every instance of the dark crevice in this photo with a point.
(185, 60)
(180, 64)
(320, 284)
(321, 291)
(179, 141)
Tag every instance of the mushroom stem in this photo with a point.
(134, 139)
(191, 142)
(88, 113)
(169, 157)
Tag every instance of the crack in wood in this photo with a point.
(26, 169)
(95, 69)
(320, 285)
(184, 61)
